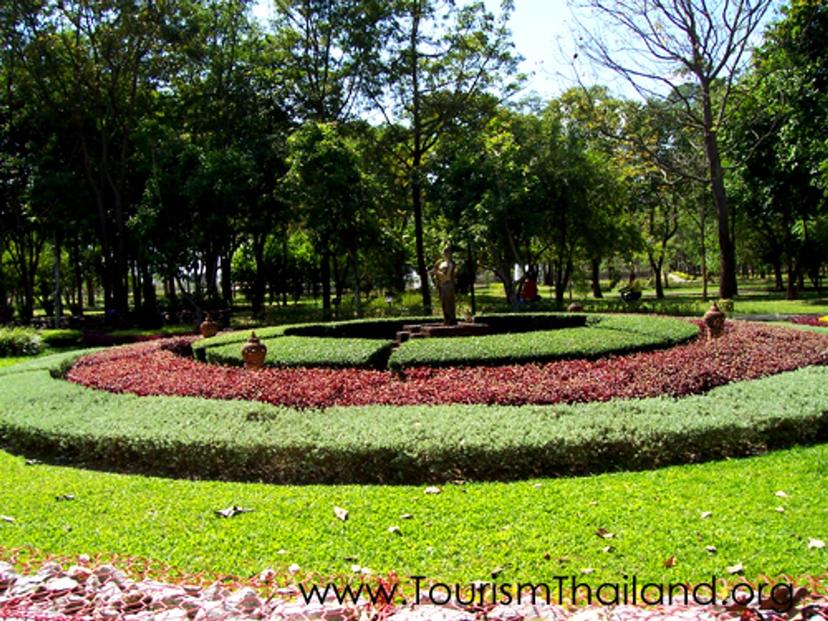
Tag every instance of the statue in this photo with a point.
(444, 279)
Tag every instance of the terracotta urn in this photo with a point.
(575, 308)
(254, 352)
(714, 320)
(208, 327)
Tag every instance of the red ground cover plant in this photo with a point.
(809, 320)
(746, 351)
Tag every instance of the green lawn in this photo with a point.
(533, 530)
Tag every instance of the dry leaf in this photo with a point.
(406, 516)
(607, 549)
(670, 562)
(33, 462)
(65, 497)
(588, 570)
(294, 568)
(537, 486)
(738, 568)
(496, 572)
(433, 490)
(341, 513)
(781, 494)
(780, 509)
(232, 511)
(351, 559)
(547, 556)
(395, 530)
(705, 514)
(7, 518)
(711, 549)
(816, 544)
(604, 533)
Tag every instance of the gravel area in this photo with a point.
(103, 593)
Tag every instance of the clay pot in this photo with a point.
(714, 320)
(208, 327)
(575, 308)
(254, 353)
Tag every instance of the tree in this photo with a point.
(783, 179)
(658, 46)
(440, 57)
(324, 179)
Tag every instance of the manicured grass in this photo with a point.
(299, 351)
(607, 334)
(7, 362)
(195, 437)
(526, 529)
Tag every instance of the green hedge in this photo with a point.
(297, 351)
(188, 437)
(517, 338)
(604, 335)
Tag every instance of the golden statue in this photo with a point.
(444, 279)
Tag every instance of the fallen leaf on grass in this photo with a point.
(232, 511)
(711, 549)
(433, 490)
(780, 509)
(607, 549)
(738, 568)
(65, 497)
(7, 518)
(781, 494)
(406, 516)
(341, 513)
(816, 544)
(587, 571)
(706, 514)
(33, 462)
(496, 572)
(670, 562)
(395, 530)
(604, 533)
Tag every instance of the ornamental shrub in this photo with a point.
(20, 342)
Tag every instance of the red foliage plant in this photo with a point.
(746, 351)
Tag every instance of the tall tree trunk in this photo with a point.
(258, 293)
(78, 273)
(473, 278)
(727, 283)
(172, 297)
(90, 290)
(325, 273)
(148, 289)
(792, 292)
(416, 163)
(137, 298)
(56, 240)
(596, 278)
(703, 250)
(227, 277)
(357, 295)
(777, 273)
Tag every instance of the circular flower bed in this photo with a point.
(747, 351)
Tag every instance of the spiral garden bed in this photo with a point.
(154, 408)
